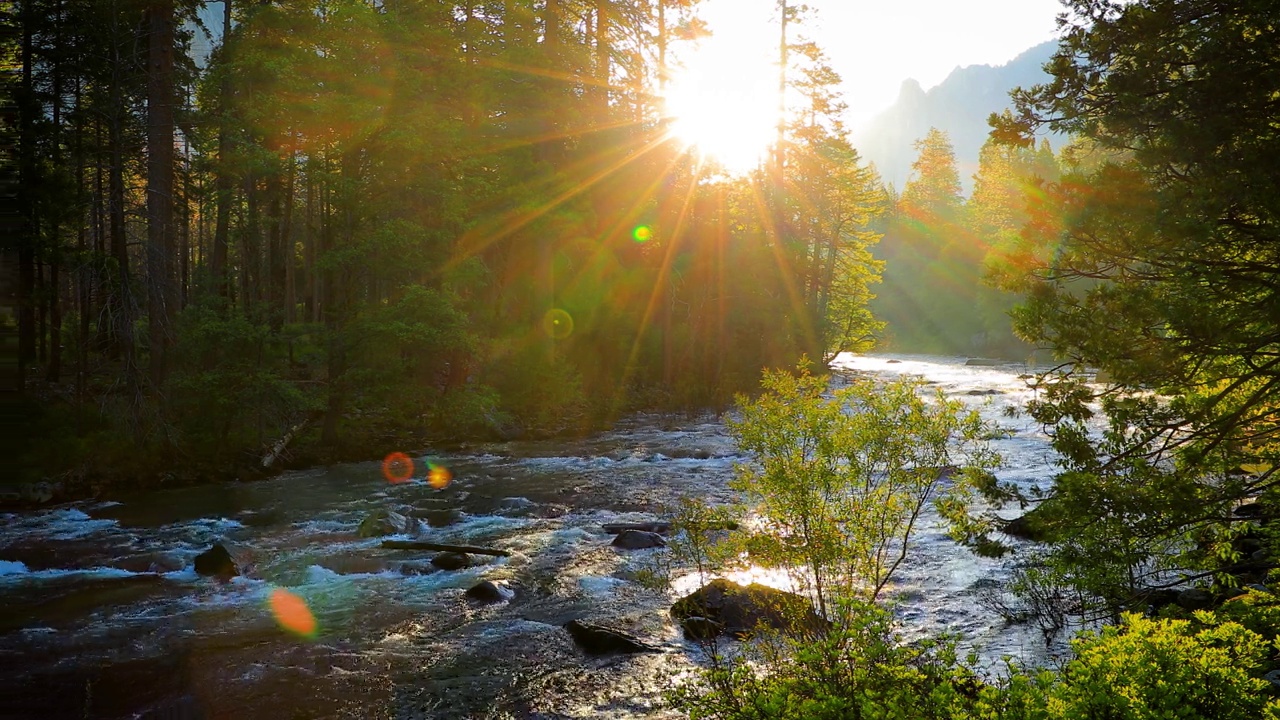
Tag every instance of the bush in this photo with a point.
(1154, 669)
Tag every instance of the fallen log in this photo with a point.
(662, 527)
(657, 526)
(279, 447)
(442, 547)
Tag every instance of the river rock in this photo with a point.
(216, 562)
(515, 505)
(638, 540)
(37, 493)
(451, 561)
(442, 518)
(1195, 599)
(1273, 677)
(488, 591)
(981, 362)
(1032, 526)
(1156, 599)
(1255, 510)
(741, 609)
(700, 628)
(417, 567)
(599, 640)
(155, 562)
(380, 523)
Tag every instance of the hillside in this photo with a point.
(959, 106)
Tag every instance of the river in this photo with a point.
(105, 617)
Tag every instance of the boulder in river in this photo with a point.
(216, 562)
(741, 609)
(1034, 525)
(1158, 598)
(515, 505)
(1195, 599)
(700, 628)
(638, 540)
(417, 567)
(441, 518)
(488, 591)
(382, 522)
(600, 640)
(451, 561)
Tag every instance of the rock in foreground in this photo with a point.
(739, 610)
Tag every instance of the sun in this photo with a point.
(724, 119)
(722, 97)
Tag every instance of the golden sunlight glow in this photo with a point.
(723, 94)
(723, 118)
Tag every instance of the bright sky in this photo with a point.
(873, 44)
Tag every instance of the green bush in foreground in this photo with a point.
(1142, 669)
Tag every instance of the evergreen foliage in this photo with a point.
(377, 207)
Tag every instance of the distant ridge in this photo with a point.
(958, 105)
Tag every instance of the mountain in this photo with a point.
(959, 106)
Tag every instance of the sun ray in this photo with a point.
(659, 282)
(474, 242)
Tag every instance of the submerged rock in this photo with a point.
(488, 591)
(516, 506)
(216, 562)
(451, 561)
(599, 640)
(638, 540)
(739, 609)
(417, 567)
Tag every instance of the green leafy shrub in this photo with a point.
(1148, 669)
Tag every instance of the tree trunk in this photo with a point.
(27, 169)
(290, 281)
(275, 250)
(161, 281)
(602, 55)
(223, 188)
(551, 25)
(54, 373)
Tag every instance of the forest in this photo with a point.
(441, 220)
(359, 227)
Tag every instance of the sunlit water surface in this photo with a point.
(104, 616)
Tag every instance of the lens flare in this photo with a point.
(292, 613)
(557, 323)
(642, 233)
(397, 468)
(438, 476)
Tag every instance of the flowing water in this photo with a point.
(105, 617)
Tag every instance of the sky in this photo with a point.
(873, 44)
